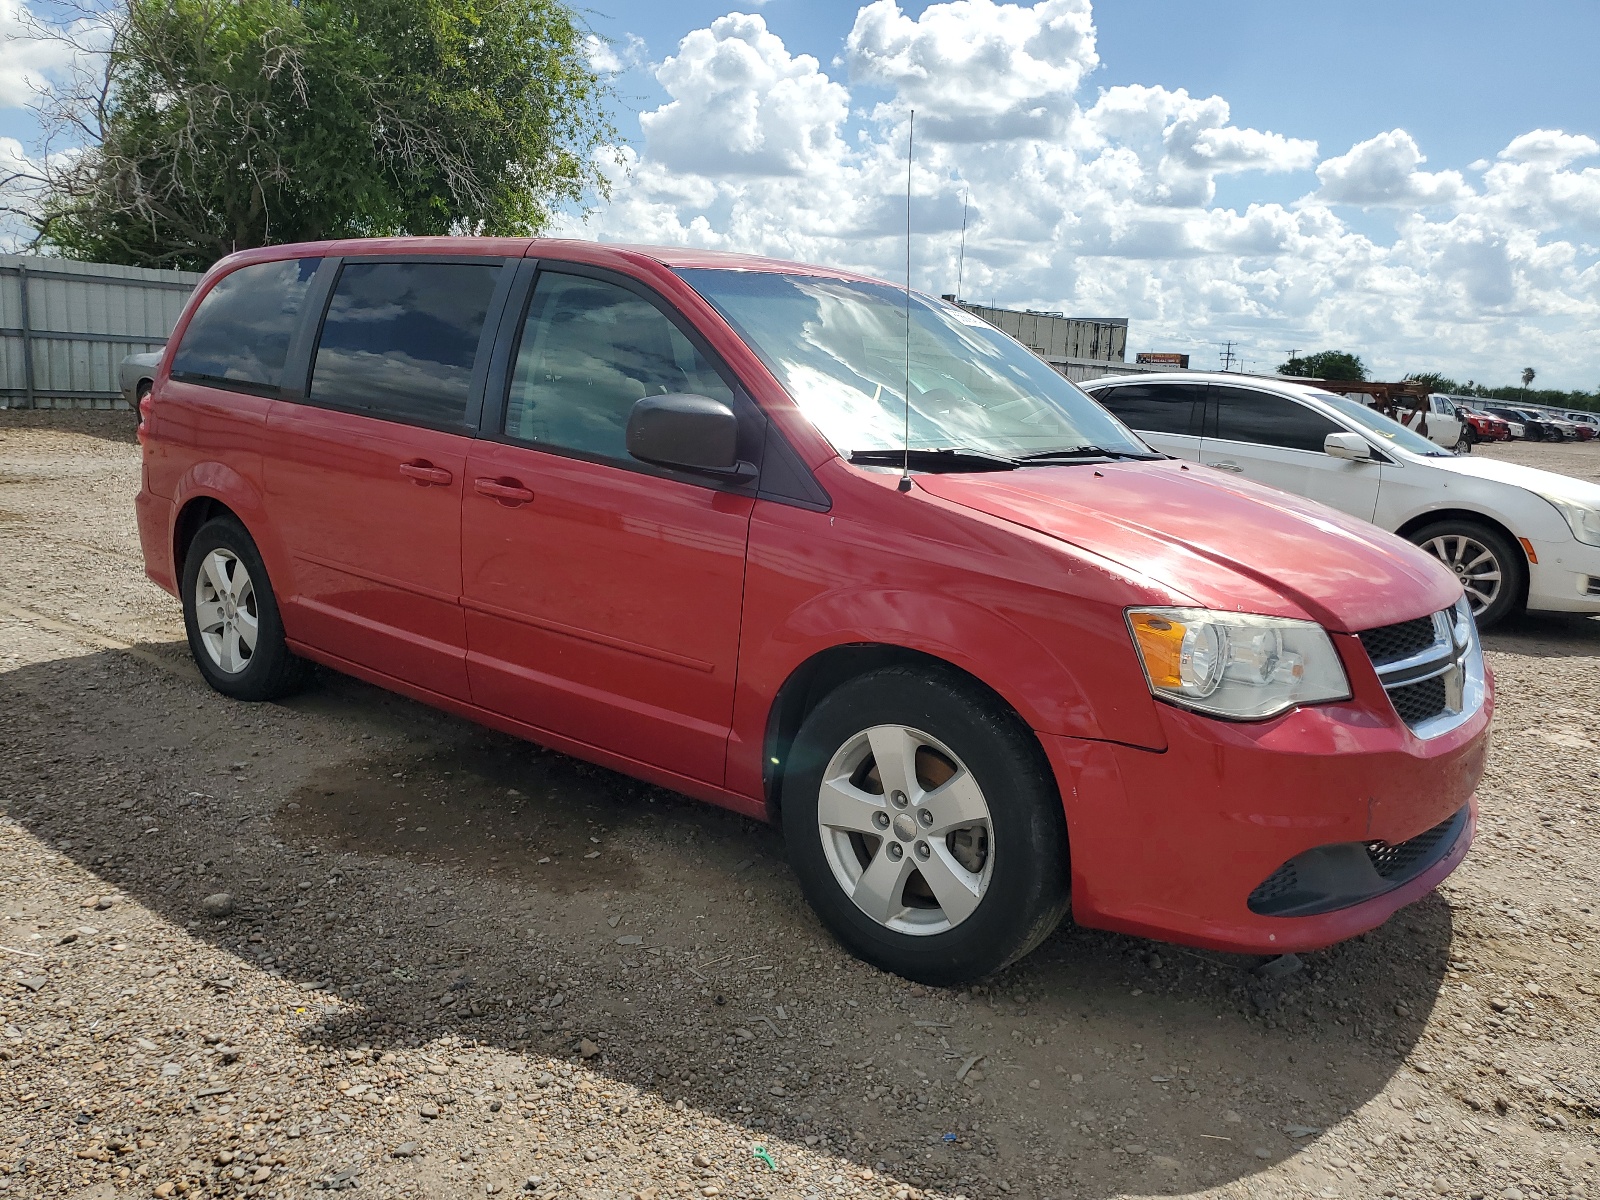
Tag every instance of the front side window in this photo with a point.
(590, 350)
(843, 350)
(240, 334)
(1246, 415)
(1154, 407)
(1386, 428)
(400, 339)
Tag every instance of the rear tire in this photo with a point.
(957, 875)
(1496, 585)
(231, 616)
(1466, 441)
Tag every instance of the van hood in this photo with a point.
(1218, 542)
(1533, 479)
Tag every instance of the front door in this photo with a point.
(365, 478)
(1277, 441)
(603, 597)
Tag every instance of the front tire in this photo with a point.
(1466, 441)
(1493, 571)
(231, 616)
(925, 827)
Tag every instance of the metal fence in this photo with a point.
(65, 326)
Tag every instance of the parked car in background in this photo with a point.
(1586, 420)
(1569, 430)
(1482, 426)
(1536, 427)
(136, 376)
(1517, 537)
(792, 541)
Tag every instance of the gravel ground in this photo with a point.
(348, 942)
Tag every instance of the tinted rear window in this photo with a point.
(240, 333)
(400, 339)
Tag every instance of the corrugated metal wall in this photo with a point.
(1056, 338)
(65, 326)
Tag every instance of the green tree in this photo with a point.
(1326, 364)
(1435, 381)
(225, 124)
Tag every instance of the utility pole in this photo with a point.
(1227, 356)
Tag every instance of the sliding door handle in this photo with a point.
(507, 491)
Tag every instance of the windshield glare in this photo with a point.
(840, 350)
(1390, 430)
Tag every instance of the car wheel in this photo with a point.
(1466, 441)
(231, 615)
(1493, 571)
(925, 827)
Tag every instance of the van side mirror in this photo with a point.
(692, 433)
(1347, 445)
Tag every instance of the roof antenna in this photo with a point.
(961, 263)
(905, 470)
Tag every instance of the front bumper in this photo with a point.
(1173, 844)
(1566, 577)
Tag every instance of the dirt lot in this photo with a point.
(454, 964)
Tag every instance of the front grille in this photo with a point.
(1426, 666)
(1391, 643)
(1417, 702)
(1594, 585)
(1398, 863)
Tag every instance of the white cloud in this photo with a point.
(977, 71)
(1103, 201)
(27, 61)
(1382, 172)
(742, 104)
(1551, 147)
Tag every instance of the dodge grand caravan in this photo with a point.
(788, 540)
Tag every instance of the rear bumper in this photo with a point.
(1172, 845)
(155, 517)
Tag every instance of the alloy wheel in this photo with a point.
(906, 830)
(1474, 564)
(225, 608)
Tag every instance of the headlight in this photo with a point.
(1583, 520)
(1236, 665)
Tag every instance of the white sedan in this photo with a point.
(1515, 536)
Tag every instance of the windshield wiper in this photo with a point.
(953, 458)
(1078, 453)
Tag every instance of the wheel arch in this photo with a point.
(824, 672)
(194, 513)
(1471, 516)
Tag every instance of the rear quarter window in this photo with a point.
(239, 336)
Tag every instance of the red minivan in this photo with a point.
(794, 542)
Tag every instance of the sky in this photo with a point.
(1415, 182)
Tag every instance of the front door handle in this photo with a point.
(507, 491)
(1227, 466)
(424, 474)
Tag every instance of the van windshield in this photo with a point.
(840, 349)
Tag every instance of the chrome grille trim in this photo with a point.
(1456, 657)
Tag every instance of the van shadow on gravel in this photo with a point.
(391, 855)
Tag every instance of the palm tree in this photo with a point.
(1527, 377)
